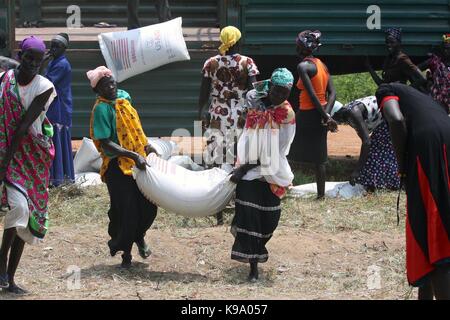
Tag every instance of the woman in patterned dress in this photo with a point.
(439, 65)
(226, 79)
(25, 158)
(377, 165)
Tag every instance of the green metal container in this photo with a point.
(195, 13)
(7, 25)
(166, 98)
(270, 27)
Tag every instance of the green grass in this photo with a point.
(338, 169)
(354, 86)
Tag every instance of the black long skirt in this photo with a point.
(257, 214)
(310, 142)
(428, 205)
(130, 214)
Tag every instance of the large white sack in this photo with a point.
(164, 148)
(188, 193)
(332, 189)
(87, 158)
(129, 53)
(185, 162)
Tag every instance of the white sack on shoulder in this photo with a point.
(188, 193)
(129, 53)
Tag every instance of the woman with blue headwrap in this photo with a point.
(262, 171)
(59, 72)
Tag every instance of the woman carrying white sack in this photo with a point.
(263, 172)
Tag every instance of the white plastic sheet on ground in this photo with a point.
(332, 189)
(88, 179)
(188, 193)
(87, 158)
(129, 53)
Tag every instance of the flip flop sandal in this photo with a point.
(15, 289)
(4, 281)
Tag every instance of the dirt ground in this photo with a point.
(321, 250)
(197, 266)
(335, 249)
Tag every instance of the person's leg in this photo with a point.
(426, 291)
(320, 180)
(14, 259)
(133, 17)
(219, 217)
(148, 212)
(8, 239)
(123, 213)
(440, 280)
(17, 216)
(253, 275)
(163, 10)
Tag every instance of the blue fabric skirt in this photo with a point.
(380, 170)
(62, 168)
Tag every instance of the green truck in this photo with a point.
(167, 97)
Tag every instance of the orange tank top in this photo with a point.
(319, 83)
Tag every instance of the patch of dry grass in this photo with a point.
(374, 212)
(321, 250)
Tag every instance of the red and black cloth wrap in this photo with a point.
(427, 180)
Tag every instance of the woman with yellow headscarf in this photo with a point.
(226, 79)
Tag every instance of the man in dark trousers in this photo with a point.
(162, 8)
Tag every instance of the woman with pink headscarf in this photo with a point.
(25, 157)
(118, 135)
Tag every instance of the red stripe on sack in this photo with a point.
(125, 57)
(128, 54)
(386, 99)
(446, 166)
(112, 50)
(438, 242)
(121, 52)
(417, 265)
(125, 54)
(115, 50)
(165, 166)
